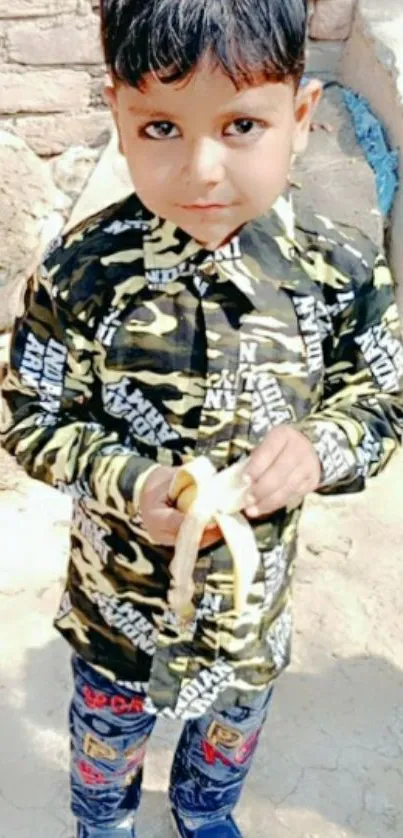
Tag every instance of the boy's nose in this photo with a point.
(206, 162)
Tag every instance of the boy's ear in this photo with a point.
(110, 96)
(306, 102)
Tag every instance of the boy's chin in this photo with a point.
(213, 235)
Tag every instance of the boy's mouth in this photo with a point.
(202, 207)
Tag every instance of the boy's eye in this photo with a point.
(161, 130)
(242, 127)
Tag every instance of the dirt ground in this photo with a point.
(330, 764)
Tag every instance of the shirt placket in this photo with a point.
(215, 433)
(218, 414)
(214, 437)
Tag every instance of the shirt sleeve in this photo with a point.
(50, 393)
(360, 422)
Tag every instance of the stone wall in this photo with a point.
(51, 74)
(331, 19)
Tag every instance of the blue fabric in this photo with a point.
(109, 733)
(372, 137)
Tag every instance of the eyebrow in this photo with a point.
(157, 115)
(234, 113)
(250, 110)
(242, 106)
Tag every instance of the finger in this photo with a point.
(212, 526)
(265, 455)
(298, 486)
(170, 519)
(166, 539)
(274, 478)
(162, 523)
(210, 538)
(281, 499)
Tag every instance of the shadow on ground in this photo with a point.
(333, 748)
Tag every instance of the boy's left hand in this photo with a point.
(283, 468)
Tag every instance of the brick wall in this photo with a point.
(51, 73)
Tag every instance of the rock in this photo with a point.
(72, 170)
(52, 226)
(49, 135)
(26, 201)
(62, 203)
(332, 19)
(4, 352)
(109, 182)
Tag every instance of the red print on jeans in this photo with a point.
(97, 700)
(246, 750)
(211, 754)
(90, 775)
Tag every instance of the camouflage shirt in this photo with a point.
(137, 346)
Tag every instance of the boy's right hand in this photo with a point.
(161, 520)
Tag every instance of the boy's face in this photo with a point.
(206, 156)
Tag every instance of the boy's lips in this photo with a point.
(206, 207)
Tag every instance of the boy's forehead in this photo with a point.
(208, 86)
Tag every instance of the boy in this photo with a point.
(196, 317)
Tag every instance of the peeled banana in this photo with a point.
(206, 496)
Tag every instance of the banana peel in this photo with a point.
(206, 497)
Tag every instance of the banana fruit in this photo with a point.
(206, 496)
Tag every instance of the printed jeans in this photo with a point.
(109, 733)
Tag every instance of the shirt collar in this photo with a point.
(262, 254)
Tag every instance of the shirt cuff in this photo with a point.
(337, 459)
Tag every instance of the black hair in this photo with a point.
(168, 38)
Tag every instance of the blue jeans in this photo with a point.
(109, 733)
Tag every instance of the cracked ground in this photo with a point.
(330, 763)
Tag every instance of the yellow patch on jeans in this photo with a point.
(227, 737)
(98, 750)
